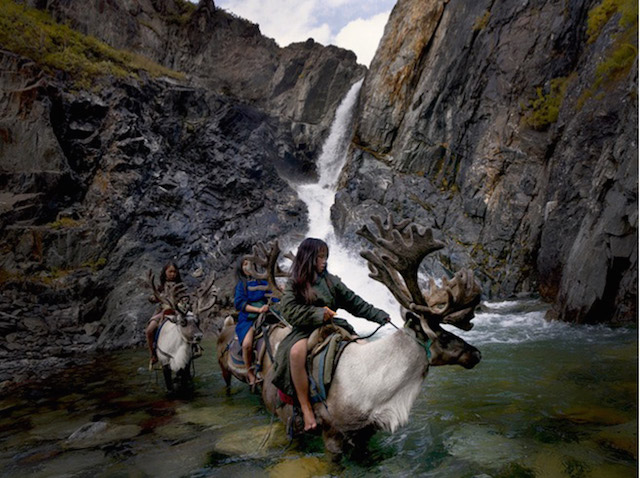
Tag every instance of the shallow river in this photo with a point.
(547, 400)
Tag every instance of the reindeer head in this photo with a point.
(399, 249)
(186, 308)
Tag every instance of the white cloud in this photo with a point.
(337, 3)
(289, 21)
(362, 36)
(286, 21)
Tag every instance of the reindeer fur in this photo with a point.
(376, 383)
(170, 341)
(175, 345)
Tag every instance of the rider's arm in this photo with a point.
(298, 314)
(356, 305)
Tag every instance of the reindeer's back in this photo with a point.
(226, 336)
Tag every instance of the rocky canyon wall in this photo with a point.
(102, 180)
(511, 129)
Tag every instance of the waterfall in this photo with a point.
(319, 197)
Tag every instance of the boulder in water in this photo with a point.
(94, 434)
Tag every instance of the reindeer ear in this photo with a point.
(416, 321)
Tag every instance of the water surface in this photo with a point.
(547, 400)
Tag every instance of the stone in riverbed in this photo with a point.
(254, 440)
(94, 434)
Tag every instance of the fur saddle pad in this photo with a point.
(325, 346)
(260, 347)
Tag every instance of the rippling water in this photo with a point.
(548, 400)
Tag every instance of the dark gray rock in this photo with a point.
(445, 112)
(302, 83)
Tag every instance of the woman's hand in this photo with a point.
(263, 309)
(328, 314)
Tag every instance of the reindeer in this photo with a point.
(179, 335)
(264, 265)
(376, 383)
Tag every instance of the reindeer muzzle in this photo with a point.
(470, 358)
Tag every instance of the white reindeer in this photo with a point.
(180, 333)
(376, 383)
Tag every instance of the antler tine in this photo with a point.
(266, 257)
(464, 288)
(454, 301)
(388, 276)
(171, 294)
(162, 297)
(175, 292)
(258, 261)
(401, 247)
(206, 295)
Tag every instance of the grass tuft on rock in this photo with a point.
(34, 34)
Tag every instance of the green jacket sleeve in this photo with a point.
(354, 304)
(300, 315)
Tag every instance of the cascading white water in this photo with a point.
(319, 197)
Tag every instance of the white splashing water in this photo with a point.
(319, 197)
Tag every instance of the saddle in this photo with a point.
(260, 346)
(325, 346)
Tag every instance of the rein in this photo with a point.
(426, 346)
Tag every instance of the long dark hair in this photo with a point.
(240, 275)
(303, 271)
(163, 274)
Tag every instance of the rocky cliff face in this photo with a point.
(302, 83)
(511, 128)
(100, 185)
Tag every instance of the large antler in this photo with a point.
(206, 296)
(172, 294)
(399, 248)
(264, 264)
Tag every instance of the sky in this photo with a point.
(356, 25)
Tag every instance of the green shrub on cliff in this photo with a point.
(622, 53)
(34, 34)
(544, 110)
(65, 223)
(600, 14)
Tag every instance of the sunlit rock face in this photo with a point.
(504, 126)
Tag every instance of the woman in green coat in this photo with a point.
(310, 299)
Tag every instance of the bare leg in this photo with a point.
(150, 332)
(247, 352)
(298, 358)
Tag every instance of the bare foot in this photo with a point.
(251, 377)
(309, 420)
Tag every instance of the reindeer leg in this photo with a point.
(168, 380)
(184, 377)
(333, 443)
(226, 375)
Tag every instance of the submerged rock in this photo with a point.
(256, 441)
(623, 437)
(303, 467)
(94, 434)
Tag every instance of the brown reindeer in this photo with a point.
(376, 383)
(180, 334)
(264, 265)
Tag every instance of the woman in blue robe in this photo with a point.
(250, 300)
